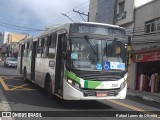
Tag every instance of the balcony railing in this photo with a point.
(121, 15)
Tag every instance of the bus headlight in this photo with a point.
(74, 84)
(69, 81)
(123, 85)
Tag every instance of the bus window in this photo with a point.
(38, 53)
(19, 52)
(52, 40)
(45, 48)
(26, 50)
(39, 48)
(51, 53)
(52, 46)
(39, 42)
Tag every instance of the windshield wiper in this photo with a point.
(90, 44)
(111, 47)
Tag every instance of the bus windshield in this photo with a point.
(96, 54)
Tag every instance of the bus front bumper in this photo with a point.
(71, 93)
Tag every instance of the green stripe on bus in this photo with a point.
(91, 84)
(72, 76)
(87, 83)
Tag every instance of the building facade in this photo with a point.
(145, 65)
(102, 11)
(118, 12)
(1, 40)
(14, 37)
(9, 43)
(125, 14)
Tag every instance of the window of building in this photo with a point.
(152, 25)
(121, 7)
(158, 25)
(148, 28)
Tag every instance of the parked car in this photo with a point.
(10, 62)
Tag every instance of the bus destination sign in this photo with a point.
(99, 30)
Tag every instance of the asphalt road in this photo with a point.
(24, 97)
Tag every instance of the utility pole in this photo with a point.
(67, 17)
(80, 13)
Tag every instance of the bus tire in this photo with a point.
(48, 86)
(25, 76)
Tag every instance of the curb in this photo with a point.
(4, 106)
(144, 97)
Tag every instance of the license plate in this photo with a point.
(101, 94)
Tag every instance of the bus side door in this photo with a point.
(59, 74)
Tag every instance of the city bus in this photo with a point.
(77, 61)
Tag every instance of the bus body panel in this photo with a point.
(27, 65)
(41, 70)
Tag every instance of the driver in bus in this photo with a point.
(85, 52)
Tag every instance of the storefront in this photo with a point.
(147, 71)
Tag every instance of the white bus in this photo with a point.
(77, 61)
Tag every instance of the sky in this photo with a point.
(32, 16)
(141, 2)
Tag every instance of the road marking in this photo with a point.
(9, 77)
(133, 108)
(14, 87)
(20, 87)
(4, 84)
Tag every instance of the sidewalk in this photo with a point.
(145, 95)
(4, 106)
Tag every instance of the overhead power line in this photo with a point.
(67, 17)
(92, 7)
(69, 13)
(80, 13)
(17, 26)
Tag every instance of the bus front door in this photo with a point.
(59, 73)
(33, 58)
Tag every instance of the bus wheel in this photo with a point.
(48, 87)
(25, 76)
